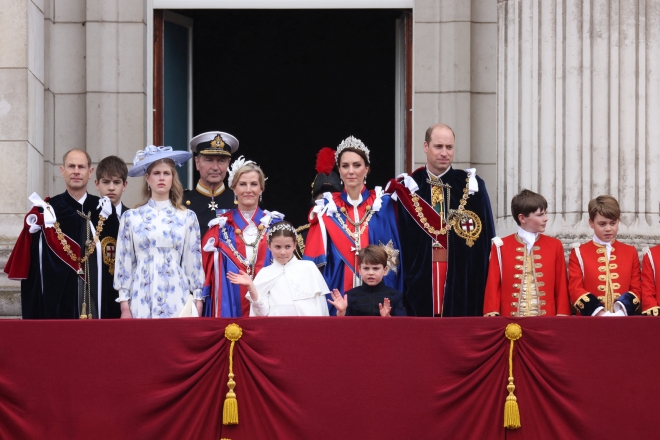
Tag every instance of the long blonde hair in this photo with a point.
(176, 192)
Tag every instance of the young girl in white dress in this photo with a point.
(288, 287)
(159, 259)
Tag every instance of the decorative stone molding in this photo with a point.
(578, 104)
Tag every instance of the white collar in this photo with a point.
(528, 237)
(608, 245)
(601, 242)
(163, 204)
(82, 199)
(118, 209)
(439, 175)
(354, 202)
(287, 264)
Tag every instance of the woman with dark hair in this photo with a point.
(235, 242)
(344, 222)
(158, 268)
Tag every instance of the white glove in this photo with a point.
(106, 207)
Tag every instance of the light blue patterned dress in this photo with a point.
(159, 260)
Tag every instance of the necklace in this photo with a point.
(90, 244)
(249, 264)
(90, 247)
(247, 216)
(360, 226)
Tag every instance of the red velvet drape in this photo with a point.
(329, 378)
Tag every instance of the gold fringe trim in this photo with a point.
(513, 332)
(233, 332)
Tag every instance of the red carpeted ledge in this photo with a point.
(329, 378)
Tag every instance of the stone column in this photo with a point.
(454, 80)
(21, 119)
(65, 105)
(115, 35)
(578, 107)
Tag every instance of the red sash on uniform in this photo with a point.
(18, 264)
(439, 257)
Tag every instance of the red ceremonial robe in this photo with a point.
(224, 299)
(651, 281)
(503, 288)
(587, 279)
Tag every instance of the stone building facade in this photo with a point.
(558, 97)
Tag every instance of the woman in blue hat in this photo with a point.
(158, 267)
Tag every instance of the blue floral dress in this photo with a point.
(159, 260)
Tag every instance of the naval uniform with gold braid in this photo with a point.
(527, 283)
(594, 281)
(208, 206)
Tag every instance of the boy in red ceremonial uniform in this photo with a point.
(527, 271)
(603, 274)
(651, 281)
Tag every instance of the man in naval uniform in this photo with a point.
(211, 197)
(446, 227)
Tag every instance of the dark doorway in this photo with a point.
(288, 82)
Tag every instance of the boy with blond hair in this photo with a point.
(603, 274)
(527, 271)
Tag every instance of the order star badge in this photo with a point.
(212, 205)
(392, 255)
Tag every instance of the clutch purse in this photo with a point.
(189, 309)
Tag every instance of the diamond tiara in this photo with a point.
(282, 226)
(351, 142)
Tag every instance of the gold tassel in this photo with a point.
(513, 332)
(230, 408)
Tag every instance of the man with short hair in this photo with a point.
(446, 227)
(111, 181)
(57, 257)
(211, 197)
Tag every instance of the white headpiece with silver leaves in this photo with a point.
(235, 166)
(351, 142)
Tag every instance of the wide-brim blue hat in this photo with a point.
(144, 158)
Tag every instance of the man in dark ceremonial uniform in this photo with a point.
(211, 197)
(57, 257)
(446, 227)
